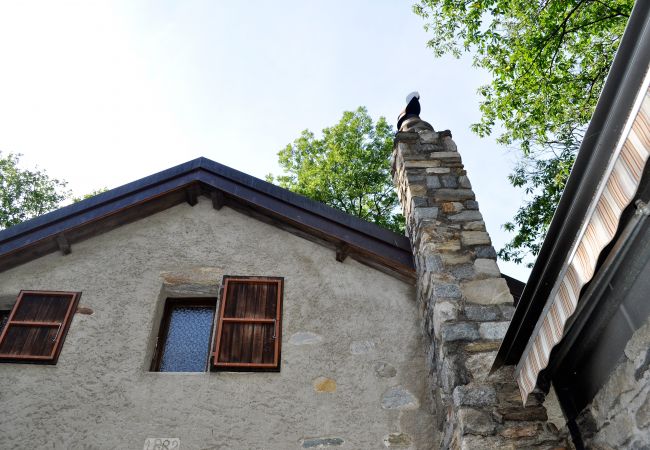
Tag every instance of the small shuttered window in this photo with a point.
(183, 343)
(249, 328)
(37, 325)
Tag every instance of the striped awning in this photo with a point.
(615, 192)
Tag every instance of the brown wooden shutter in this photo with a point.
(250, 325)
(37, 326)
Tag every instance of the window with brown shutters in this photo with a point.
(36, 327)
(250, 324)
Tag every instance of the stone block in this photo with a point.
(516, 432)
(462, 331)
(474, 395)
(493, 330)
(475, 238)
(399, 398)
(428, 148)
(449, 144)
(322, 442)
(473, 421)
(485, 267)
(451, 245)
(444, 312)
(418, 190)
(384, 370)
(406, 136)
(414, 177)
(479, 365)
(446, 156)
(438, 170)
(433, 182)
(506, 374)
(397, 440)
(452, 373)
(638, 343)
(462, 271)
(492, 291)
(432, 263)
(507, 311)
(452, 207)
(618, 431)
(324, 385)
(451, 259)
(428, 213)
(423, 163)
(482, 346)
(508, 394)
(453, 195)
(463, 181)
(485, 252)
(482, 313)
(466, 216)
(446, 290)
(642, 415)
(428, 136)
(471, 204)
(619, 389)
(521, 413)
(449, 181)
(418, 202)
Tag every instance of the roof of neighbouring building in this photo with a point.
(587, 241)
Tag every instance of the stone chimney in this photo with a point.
(465, 303)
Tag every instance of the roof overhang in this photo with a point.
(604, 180)
(346, 234)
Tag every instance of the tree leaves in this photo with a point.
(26, 193)
(548, 60)
(348, 168)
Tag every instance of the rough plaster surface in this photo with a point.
(101, 394)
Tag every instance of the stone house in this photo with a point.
(203, 308)
(209, 309)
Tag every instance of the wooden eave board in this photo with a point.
(368, 242)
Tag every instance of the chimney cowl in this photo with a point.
(411, 110)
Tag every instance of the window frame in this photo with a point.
(230, 366)
(163, 330)
(64, 326)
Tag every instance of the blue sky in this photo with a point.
(103, 93)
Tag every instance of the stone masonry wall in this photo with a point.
(465, 303)
(619, 415)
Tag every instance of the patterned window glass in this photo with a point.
(185, 336)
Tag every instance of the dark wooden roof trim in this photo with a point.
(126, 203)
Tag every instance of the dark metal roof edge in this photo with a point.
(308, 204)
(204, 163)
(191, 171)
(98, 200)
(619, 93)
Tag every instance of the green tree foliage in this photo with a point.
(548, 60)
(348, 168)
(26, 193)
(89, 195)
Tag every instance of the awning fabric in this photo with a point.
(615, 193)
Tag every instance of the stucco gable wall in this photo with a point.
(101, 395)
